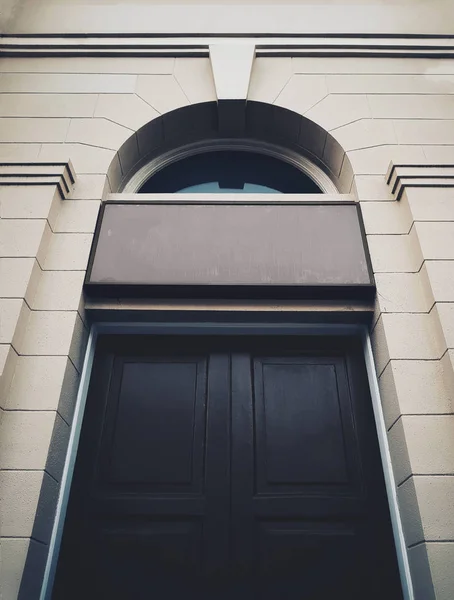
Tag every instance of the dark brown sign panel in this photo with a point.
(300, 250)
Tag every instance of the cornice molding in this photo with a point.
(60, 174)
(416, 46)
(401, 176)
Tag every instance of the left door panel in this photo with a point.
(137, 518)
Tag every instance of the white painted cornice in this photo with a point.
(416, 46)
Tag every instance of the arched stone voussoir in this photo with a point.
(266, 127)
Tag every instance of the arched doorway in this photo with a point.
(239, 462)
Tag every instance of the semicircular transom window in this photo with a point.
(230, 171)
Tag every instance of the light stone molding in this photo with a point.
(60, 174)
(391, 46)
(401, 176)
(294, 158)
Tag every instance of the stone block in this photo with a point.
(26, 202)
(402, 293)
(161, 92)
(58, 290)
(427, 507)
(18, 277)
(19, 494)
(25, 439)
(90, 187)
(389, 83)
(268, 78)
(45, 511)
(33, 572)
(150, 136)
(365, 133)
(68, 83)
(375, 161)
(357, 65)
(98, 132)
(439, 154)
(333, 155)
(435, 496)
(436, 240)
(19, 152)
(21, 237)
(78, 344)
(422, 445)
(404, 336)
(77, 217)
(14, 314)
(44, 383)
(445, 312)
(423, 585)
(47, 105)
(338, 110)
(58, 448)
(379, 346)
(8, 361)
(198, 120)
(412, 336)
(131, 65)
(195, 77)
(395, 253)
(302, 92)
(128, 155)
(434, 204)
(406, 106)
(372, 188)
(48, 333)
(14, 555)
(410, 512)
(115, 174)
(386, 217)
(85, 159)
(344, 183)
(33, 130)
(441, 559)
(440, 275)
(399, 452)
(127, 110)
(68, 252)
(421, 131)
(414, 387)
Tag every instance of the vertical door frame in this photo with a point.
(169, 328)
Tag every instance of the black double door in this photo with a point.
(228, 468)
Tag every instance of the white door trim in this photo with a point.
(227, 329)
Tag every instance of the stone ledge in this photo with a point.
(416, 46)
(60, 174)
(400, 176)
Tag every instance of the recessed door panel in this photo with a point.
(159, 413)
(299, 431)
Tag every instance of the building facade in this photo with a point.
(96, 99)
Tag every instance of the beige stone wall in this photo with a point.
(84, 109)
(225, 16)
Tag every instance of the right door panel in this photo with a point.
(309, 511)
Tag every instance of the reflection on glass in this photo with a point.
(230, 171)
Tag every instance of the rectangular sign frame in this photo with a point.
(345, 290)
